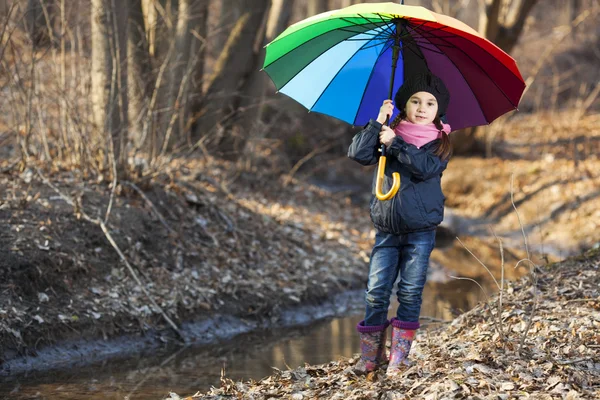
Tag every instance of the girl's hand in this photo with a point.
(386, 110)
(386, 136)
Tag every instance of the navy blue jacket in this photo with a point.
(419, 203)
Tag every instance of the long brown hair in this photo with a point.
(444, 149)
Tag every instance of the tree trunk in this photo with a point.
(166, 22)
(573, 8)
(120, 133)
(252, 94)
(315, 7)
(200, 47)
(109, 76)
(234, 67)
(279, 17)
(230, 11)
(39, 17)
(138, 70)
(502, 22)
(186, 69)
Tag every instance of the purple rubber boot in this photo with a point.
(403, 334)
(372, 347)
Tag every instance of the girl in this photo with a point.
(418, 148)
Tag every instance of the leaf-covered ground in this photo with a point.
(478, 356)
(553, 161)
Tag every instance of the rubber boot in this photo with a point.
(403, 334)
(372, 347)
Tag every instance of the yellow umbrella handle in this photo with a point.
(379, 184)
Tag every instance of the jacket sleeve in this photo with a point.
(421, 163)
(365, 143)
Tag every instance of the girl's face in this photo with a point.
(421, 108)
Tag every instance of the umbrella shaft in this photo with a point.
(395, 54)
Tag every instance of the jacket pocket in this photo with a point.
(409, 212)
(432, 201)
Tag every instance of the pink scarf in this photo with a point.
(419, 135)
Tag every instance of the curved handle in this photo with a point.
(379, 184)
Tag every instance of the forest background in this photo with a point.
(151, 175)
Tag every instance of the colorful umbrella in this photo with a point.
(345, 62)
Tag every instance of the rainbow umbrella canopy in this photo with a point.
(345, 62)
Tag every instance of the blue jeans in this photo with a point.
(408, 255)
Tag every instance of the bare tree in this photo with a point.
(226, 16)
(109, 76)
(448, 7)
(236, 67)
(36, 15)
(502, 21)
(190, 33)
(279, 17)
(315, 7)
(138, 68)
(572, 10)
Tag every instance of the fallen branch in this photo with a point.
(160, 217)
(319, 149)
(578, 360)
(102, 225)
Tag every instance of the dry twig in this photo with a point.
(102, 225)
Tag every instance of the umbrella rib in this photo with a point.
(470, 86)
(384, 23)
(423, 45)
(311, 39)
(385, 48)
(422, 31)
(447, 46)
(417, 29)
(376, 25)
(387, 24)
(409, 41)
(373, 37)
(335, 76)
(376, 44)
(482, 69)
(356, 32)
(409, 45)
(466, 81)
(323, 52)
(363, 40)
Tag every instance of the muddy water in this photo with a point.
(249, 356)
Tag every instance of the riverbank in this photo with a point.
(201, 241)
(555, 356)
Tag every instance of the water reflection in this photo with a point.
(250, 356)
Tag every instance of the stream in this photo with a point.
(152, 375)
